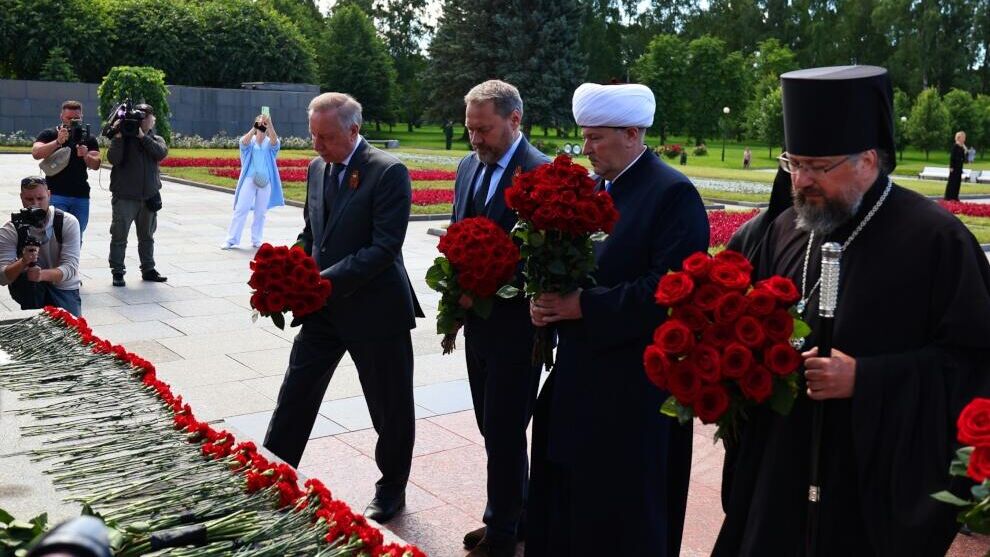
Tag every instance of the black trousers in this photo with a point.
(952, 185)
(385, 368)
(503, 389)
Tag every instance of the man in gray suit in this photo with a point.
(499, 349)
(357, 211)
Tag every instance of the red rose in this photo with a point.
(264, 252)
(729, 276)
(693, 317)
(736, 360)
(657, 366)
(705, 361)
(781, 359)
(757, 384)
(697, 265)
(730, 307)
(761, 301)
(735, 258)
(674, 288)
(782, 288)
(974, 423)
(683, 384)
(779, 325)
(712, 401)
(979, 464)
(673, 337)
(719, 335)
(706, 297)
(750, 332)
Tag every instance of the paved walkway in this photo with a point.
(197, 330)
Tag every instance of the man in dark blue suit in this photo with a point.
(357, 210)
(498, 350)
(610, 473)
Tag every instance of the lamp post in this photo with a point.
(901, 144)
(725, 111)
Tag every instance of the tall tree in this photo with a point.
(962, 112)
(738, 23)
(305, 15)
(57, 67)
(982, 129)
(715, 80)
(403, 26)
(544, 60)
(355, 62)
(902, 110)
(601, 39)
(767, 63)
(466, 50)
(664, 68)
(928, 126)
(765, 119)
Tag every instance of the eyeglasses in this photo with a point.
(793, 167)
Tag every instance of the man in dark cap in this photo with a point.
(911, 331)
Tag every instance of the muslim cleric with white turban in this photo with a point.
(599, 440)
(613, 106)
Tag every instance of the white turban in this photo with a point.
(614, 106)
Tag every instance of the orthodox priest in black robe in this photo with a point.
(910, 344)
(609, 473)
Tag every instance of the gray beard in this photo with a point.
(826, 219)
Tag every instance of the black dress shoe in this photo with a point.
(382, 509)
(472, 538)
(118, 279)
(488, 547)
(153, 276)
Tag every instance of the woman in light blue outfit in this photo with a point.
(259, 186)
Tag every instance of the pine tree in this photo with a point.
(57, 67)
(928, 126)
(354, 61)
(544, 58)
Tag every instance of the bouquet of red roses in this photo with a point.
(478, 258)
(560, 216)
(286, 279)
(973, 460)
(727, 345)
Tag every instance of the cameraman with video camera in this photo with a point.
(39, 252)
(135, 184)
(66, 169)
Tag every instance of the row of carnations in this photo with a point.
(243, 459)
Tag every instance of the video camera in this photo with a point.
(24, 220)
(129, 117)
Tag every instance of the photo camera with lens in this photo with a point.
(130, 120)
(78, 132)
(24, 220)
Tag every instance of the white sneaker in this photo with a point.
(226, 246)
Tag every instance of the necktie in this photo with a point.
(331, 184)
(481, 195)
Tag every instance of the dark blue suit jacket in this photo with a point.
(359, 246)
(508, 327)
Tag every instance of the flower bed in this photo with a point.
(724, 223)
(968, 209)
(138, 456)
(432, 196)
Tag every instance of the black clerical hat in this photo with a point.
(838, 110)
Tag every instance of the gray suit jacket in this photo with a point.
(358, 245)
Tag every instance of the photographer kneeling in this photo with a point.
(135, 184)
(39, 252)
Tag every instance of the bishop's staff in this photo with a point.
(831, 253)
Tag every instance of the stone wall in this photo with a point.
(34, 105)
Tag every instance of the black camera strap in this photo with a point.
(57, 223)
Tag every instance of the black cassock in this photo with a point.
(914, 310)
(609, 472)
